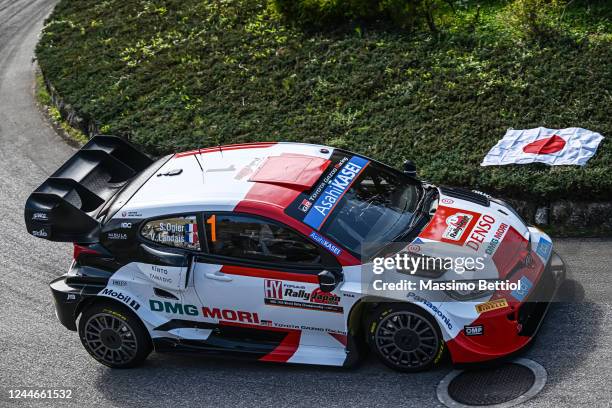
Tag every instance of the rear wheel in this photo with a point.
(113, 335)
(404, 337)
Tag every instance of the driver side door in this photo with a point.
(261, 277)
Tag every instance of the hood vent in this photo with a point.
(466, 195)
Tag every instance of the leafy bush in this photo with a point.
(535, 19)
(404, 13)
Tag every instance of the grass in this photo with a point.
(44, 99)
(173, 75)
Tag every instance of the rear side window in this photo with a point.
(245, 237)
(177, 231)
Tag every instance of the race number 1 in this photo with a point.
(212, 220)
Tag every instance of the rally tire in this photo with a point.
(404, 337)
(113, 335)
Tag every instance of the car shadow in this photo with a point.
(570, 333)
(196, 380)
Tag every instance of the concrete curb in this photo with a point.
(69, 114)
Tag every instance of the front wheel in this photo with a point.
(404, 337)
(113, 335)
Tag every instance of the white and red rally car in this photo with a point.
(261, 251)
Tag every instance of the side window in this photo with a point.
(245, 237)
(178, 231)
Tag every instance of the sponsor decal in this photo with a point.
(456, 226)
(414, 248)
(480, 231)
(493, 244)
(280, 293)
(333, 192)
(305, 205)
(491, 305)
(160, 274)
(273, 289)
(116, 235)
(437, 312)
(42, 233)
(71, 297)
(173, 308)
(544, 248)
(449, 225)
(40, 216)
(165, 276)
(473, 330)
(447, 201)
(117, 282)
(121, 297)
(126, 225)
(132, 213)
(230, 315)
(325, 243)
(305, 327)
(525, 286)
(317, 191)
(327, 298)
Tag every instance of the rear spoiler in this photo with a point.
(65, 206)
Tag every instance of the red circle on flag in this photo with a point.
(548, 145)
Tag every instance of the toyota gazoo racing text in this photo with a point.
(260, 251)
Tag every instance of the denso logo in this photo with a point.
(173, 308)
(230, 315)
(480, 231)
(457, 224)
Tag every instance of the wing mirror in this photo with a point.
(327, 281)
(410, 168)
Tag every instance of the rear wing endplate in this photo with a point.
(64, 207)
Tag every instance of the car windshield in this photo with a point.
(360, 204)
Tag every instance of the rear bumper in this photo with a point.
(68, 299)
(509, 330)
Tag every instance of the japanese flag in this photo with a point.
(550, 146)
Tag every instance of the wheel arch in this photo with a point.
(97, 299)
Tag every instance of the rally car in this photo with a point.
(260, 251)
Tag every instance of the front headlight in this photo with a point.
(470, 290)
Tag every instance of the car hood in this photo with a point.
(469, 224)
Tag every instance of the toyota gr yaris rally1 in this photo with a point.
(260, 251)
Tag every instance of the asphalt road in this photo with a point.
(574, 345)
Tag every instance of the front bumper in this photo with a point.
(509, 330)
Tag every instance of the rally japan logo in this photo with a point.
(456, 226)
(450, 225)
(280, 293)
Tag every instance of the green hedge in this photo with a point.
(406, 14)
(173, 75)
